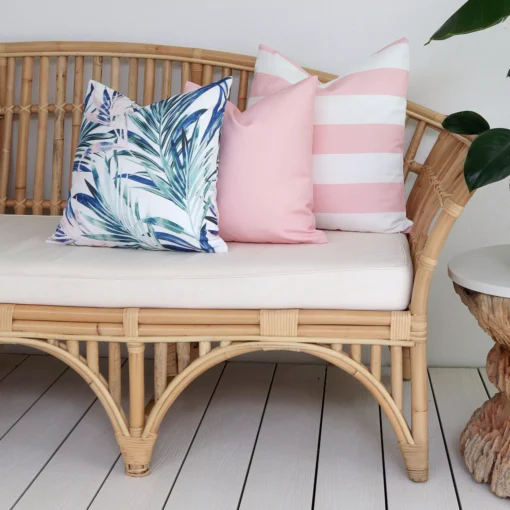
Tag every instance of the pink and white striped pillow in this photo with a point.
(358, 141)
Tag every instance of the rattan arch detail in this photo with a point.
(185, 340)
(96, 382)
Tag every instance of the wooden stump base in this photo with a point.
(485, 442)
(485, 445)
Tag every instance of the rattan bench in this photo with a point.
(41, 97)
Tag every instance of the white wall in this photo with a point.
(463, 73)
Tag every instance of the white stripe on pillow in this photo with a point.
(355, 168)
(363, 109)
(359, 110)
(273, 63)
(358, 138)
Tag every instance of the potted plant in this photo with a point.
(488, 159)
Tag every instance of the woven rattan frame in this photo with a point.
(188, 342)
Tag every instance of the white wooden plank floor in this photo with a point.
(244, 436)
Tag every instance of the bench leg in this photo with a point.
(417, 456)
(136, 450)
(136, 453)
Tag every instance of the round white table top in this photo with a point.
(485, 270)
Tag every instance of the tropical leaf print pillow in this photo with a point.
(145, 177)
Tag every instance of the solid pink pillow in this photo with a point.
(265, 187)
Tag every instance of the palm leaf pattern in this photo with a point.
(146, 177)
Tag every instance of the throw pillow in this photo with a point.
(145, 177)
(358, 140)
(265, 189)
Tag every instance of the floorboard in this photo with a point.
(212, 476)
(458, 393)
(72, 477)
(285, 456)
(9, 362)
(350, 434)
(28, 446)
(24, 386)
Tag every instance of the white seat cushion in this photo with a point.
(353, 271)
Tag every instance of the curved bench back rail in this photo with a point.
(42, 87)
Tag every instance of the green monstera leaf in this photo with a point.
(466, 123)
(473, 16)
(488, 159)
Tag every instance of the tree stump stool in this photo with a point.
(480, 279)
